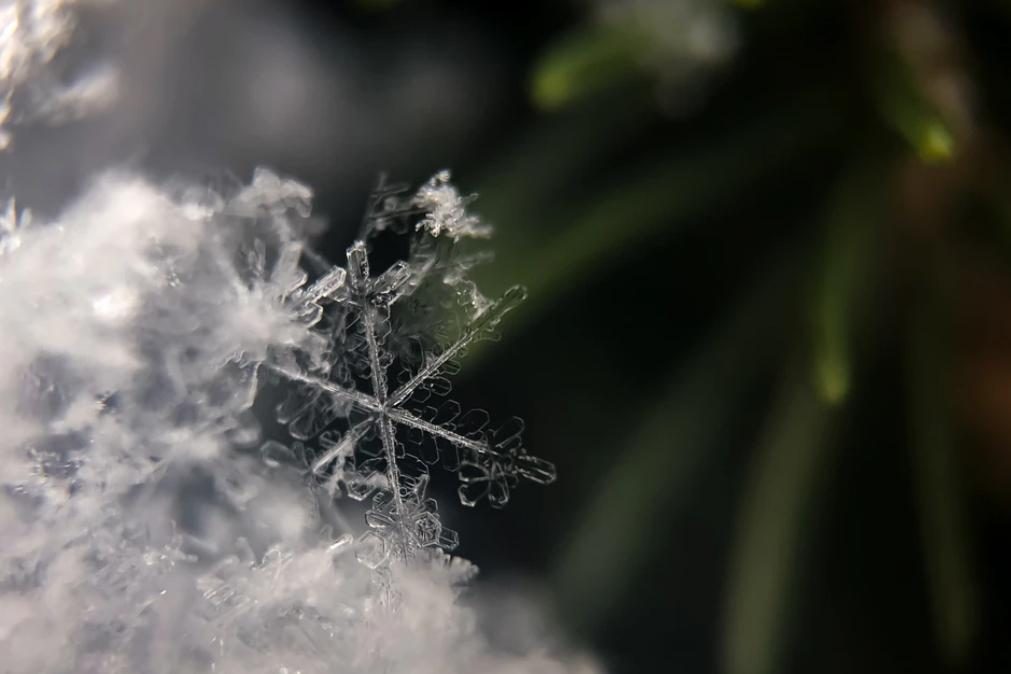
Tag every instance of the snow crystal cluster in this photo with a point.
(147, 524)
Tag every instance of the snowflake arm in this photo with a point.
(483, 325)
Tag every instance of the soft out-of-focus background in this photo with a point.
(768, 248)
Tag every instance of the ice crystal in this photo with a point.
(142, 529)
(445, 210)
(391, 432)
(145, 524)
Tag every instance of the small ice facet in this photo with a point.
(446, 211)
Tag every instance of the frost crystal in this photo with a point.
(445, 211)
(393, 432)
(146, 526)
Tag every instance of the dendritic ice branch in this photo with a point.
(375, 414)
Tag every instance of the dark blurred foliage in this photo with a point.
(767, 341)
(768, 248)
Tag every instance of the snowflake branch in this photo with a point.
(358, 266)
(344, 448)
(485, 322)
(404, 417)
(363, 400)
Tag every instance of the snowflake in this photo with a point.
(380, 330)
